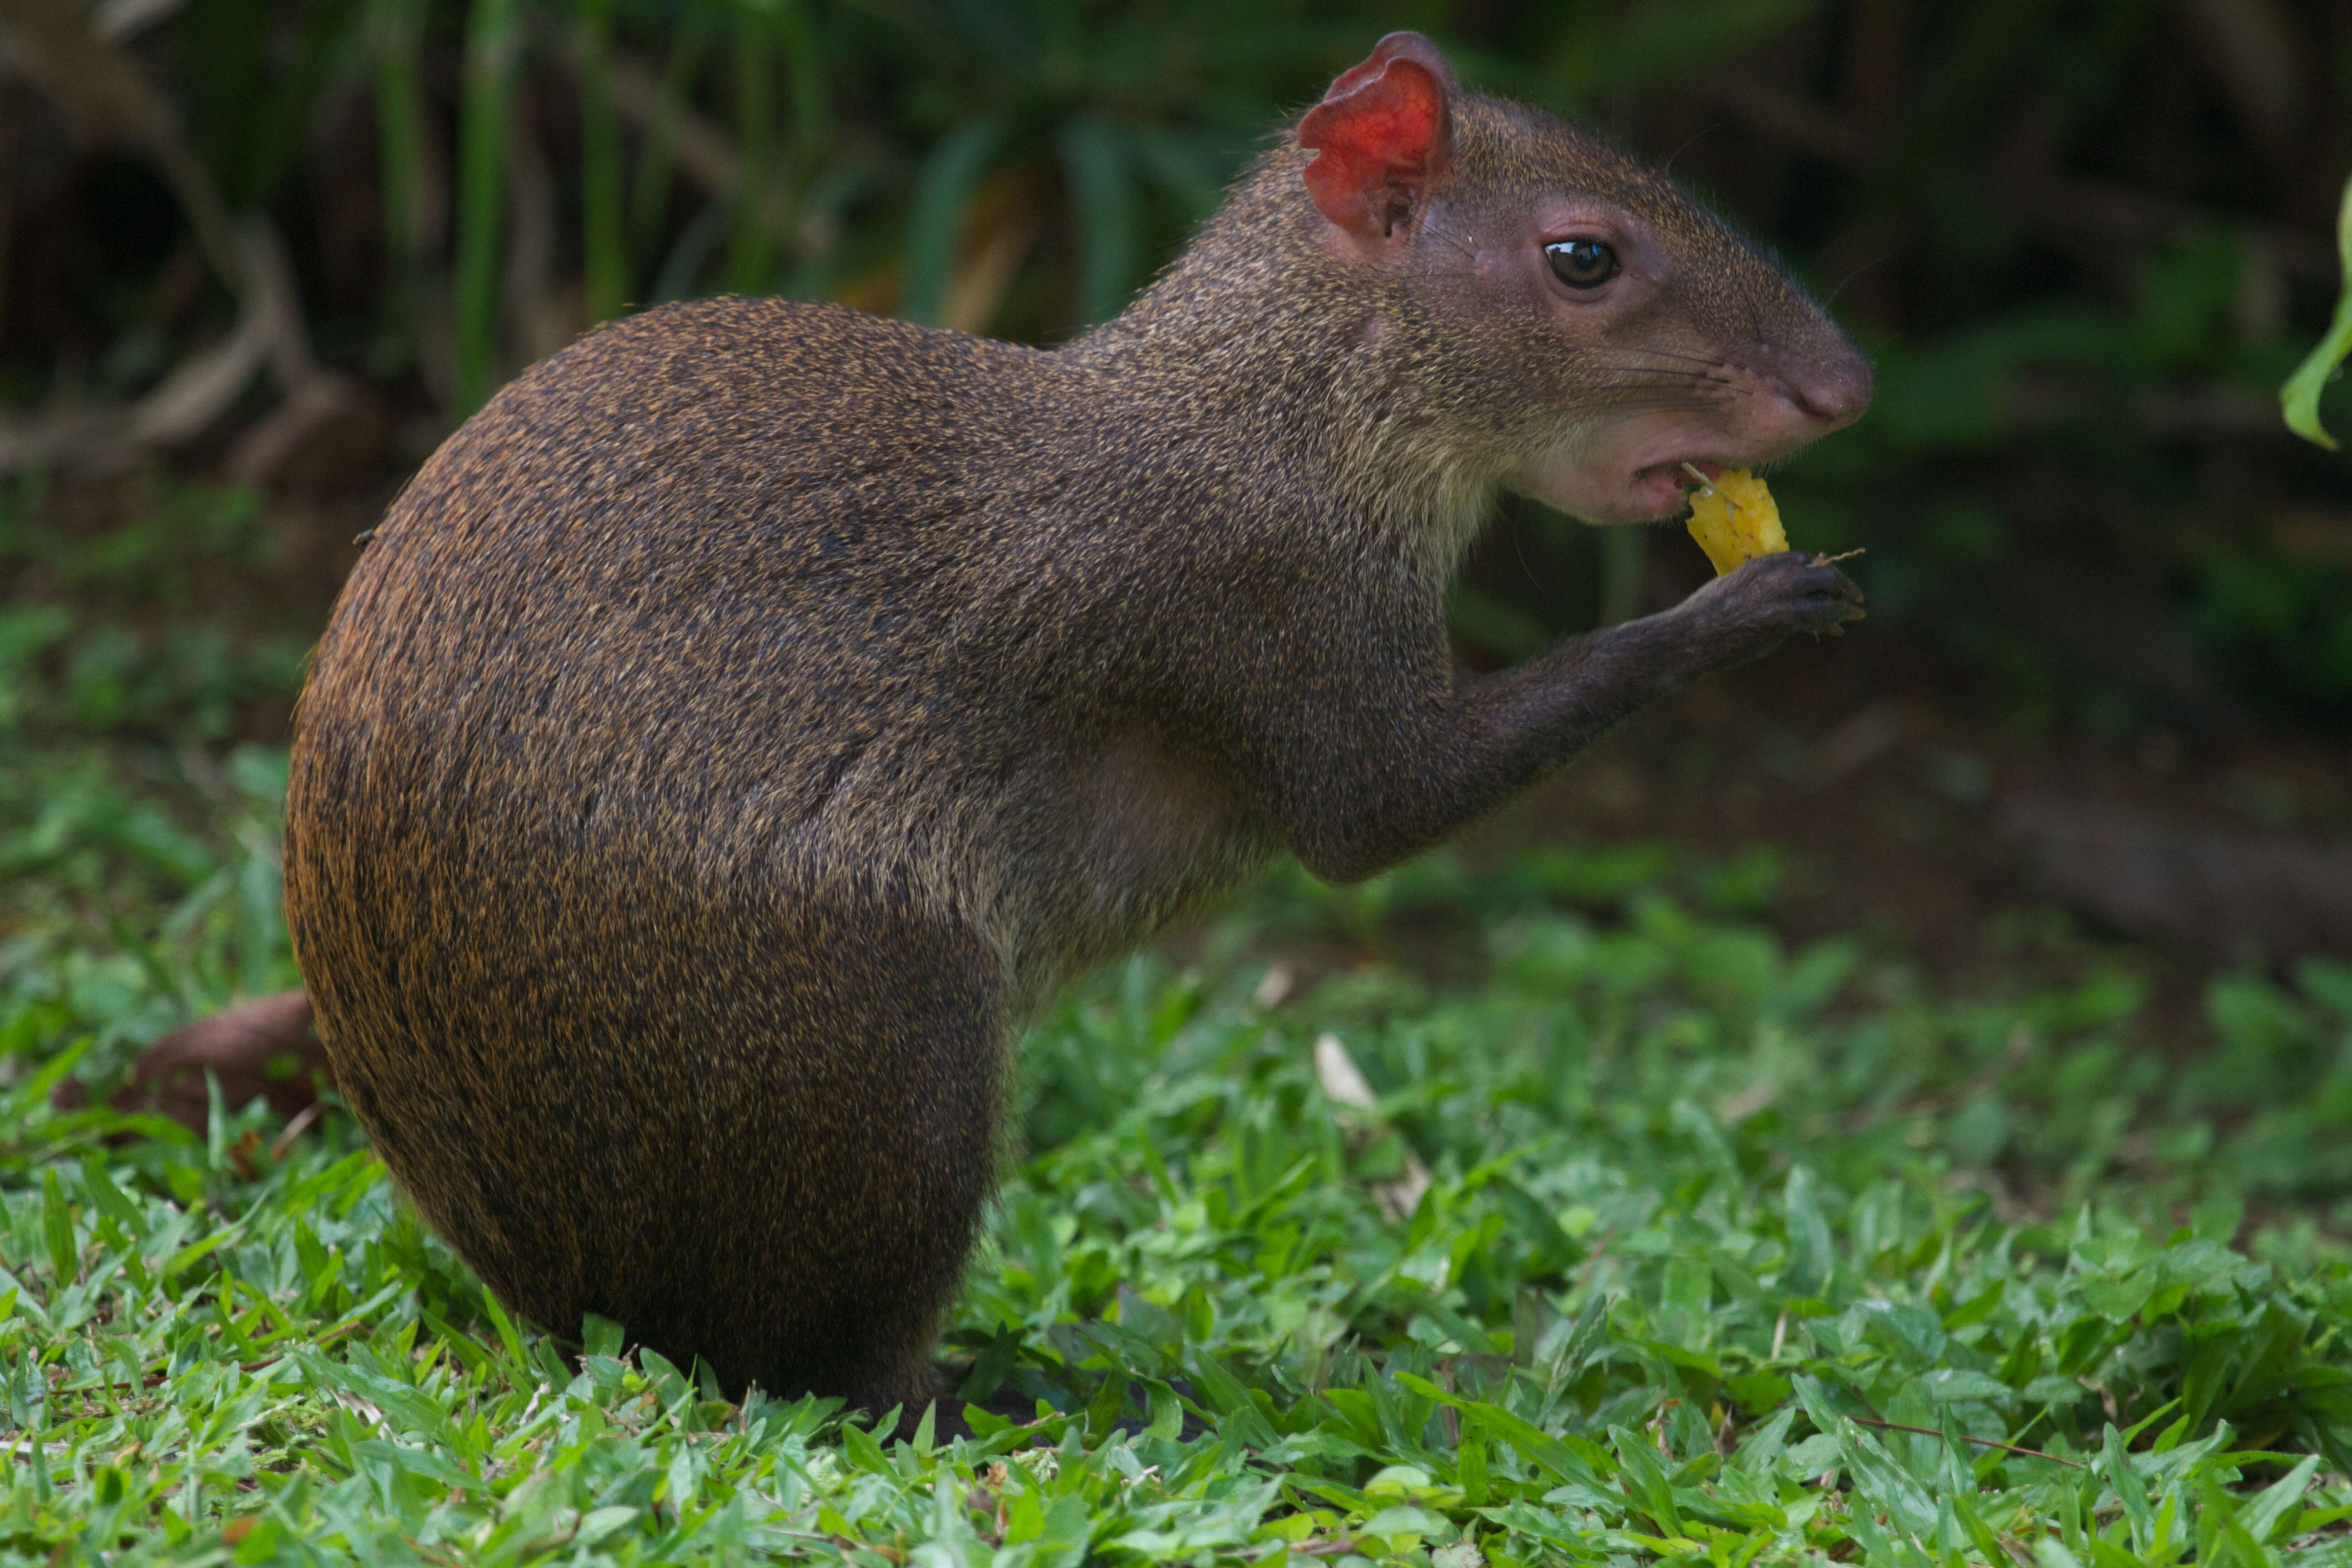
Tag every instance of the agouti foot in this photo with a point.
(1757, 608)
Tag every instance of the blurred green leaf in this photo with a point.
(935, 221)
(2300, 397)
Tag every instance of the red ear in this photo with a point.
(1378, 135)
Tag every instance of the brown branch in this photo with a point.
(702, 150)
(295, 1129)
(1593, 1260)
(2108, 211)
(1979, 1442)
(107, 101)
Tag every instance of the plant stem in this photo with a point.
(1979, 1442)
(492, 36)
(602, 241)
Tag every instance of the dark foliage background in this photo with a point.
(257, 257)
(1941, 1036)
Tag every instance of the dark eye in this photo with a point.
(1582, 263)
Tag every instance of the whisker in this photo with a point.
(1667, 168)
(1674, 372)
(1651, 400)
(1708, 360)
(1622, 405)
(1458, 242)
(1658, 389)
(1704, 391)
(1660, 377)
(1854, 274)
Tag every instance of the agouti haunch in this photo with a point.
(741, 724)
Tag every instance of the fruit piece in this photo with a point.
(1734, 519)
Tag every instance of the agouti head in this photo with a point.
(1550, 316)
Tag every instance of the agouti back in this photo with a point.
(741, 725)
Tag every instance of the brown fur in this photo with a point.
(745, 720)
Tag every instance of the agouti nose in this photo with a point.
(1834, 391)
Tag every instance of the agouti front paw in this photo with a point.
(1757, 608)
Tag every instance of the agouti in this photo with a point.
(746, 721)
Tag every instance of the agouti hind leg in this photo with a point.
(759, 1133)
(856, 1150)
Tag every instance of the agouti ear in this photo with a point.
(1379, 136)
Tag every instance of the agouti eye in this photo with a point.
(1582, 263)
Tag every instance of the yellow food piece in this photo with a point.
(1734, 520)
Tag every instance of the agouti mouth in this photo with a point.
(1659, 490)
(1678, 470)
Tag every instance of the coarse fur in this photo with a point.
(743, 723)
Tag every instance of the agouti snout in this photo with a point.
(745, 720)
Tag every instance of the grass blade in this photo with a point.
(604, 240)
(750, 252)
(1102, 190)
(805, 61)
(2299, 398)
(58, 1230)
(657, 168)
(935, 221)
(493, 36)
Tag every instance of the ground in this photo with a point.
(1733, 1151)
(1636, 1231)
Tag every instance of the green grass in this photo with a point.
(1727, 1252)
